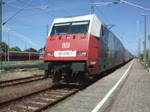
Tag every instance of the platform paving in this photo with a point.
(134, 95)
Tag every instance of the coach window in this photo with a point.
(102, 31)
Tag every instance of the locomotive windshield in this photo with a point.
(70, 28)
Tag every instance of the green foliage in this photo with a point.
(30, 50)
(142, 55)
(147, 58)
(4, 46)
(40, 50)
(16, 48)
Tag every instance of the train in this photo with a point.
(80, 47)
(19, 56)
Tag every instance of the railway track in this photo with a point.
(39, 100)
(42, 99)
(19, 66)
(20, 81)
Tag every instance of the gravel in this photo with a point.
(18, 90)
(19, 74)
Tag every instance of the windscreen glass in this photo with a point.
(70, 28)
(61, 28)
(79, 27)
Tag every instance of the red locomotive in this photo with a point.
(79, 47)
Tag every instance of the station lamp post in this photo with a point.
(144, 58)
(149, 51)
(8, 42)
(0, 35)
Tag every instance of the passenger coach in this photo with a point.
(79, 47)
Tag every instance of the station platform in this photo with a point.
(125, 90)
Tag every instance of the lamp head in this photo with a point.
(143, 14)
(10, 30)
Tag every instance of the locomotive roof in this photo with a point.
(76, 18)
(95, 22)
(94, 28)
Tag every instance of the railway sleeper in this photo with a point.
(27, 107)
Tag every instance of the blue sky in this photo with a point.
(29, 26)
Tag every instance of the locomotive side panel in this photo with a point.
(93, 55)
(93, 51)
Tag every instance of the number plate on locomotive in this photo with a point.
(68, 53)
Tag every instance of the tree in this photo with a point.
(30, 50)
(33, 50)
(4, 46)
(40, 50)
(16, 48)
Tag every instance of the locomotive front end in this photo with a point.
(66, 51)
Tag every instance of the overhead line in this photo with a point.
(8, 2)
(17, 12)
(134, 5)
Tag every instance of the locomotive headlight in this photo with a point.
(81, 53)
(50, 53)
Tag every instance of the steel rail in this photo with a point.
(20, 81)
(55, 93)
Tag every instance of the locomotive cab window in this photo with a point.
(70, 28)
(60, 28)
(79, 27)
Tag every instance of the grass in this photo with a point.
(145, 66)
(21, 62)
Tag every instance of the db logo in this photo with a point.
(65, 45)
